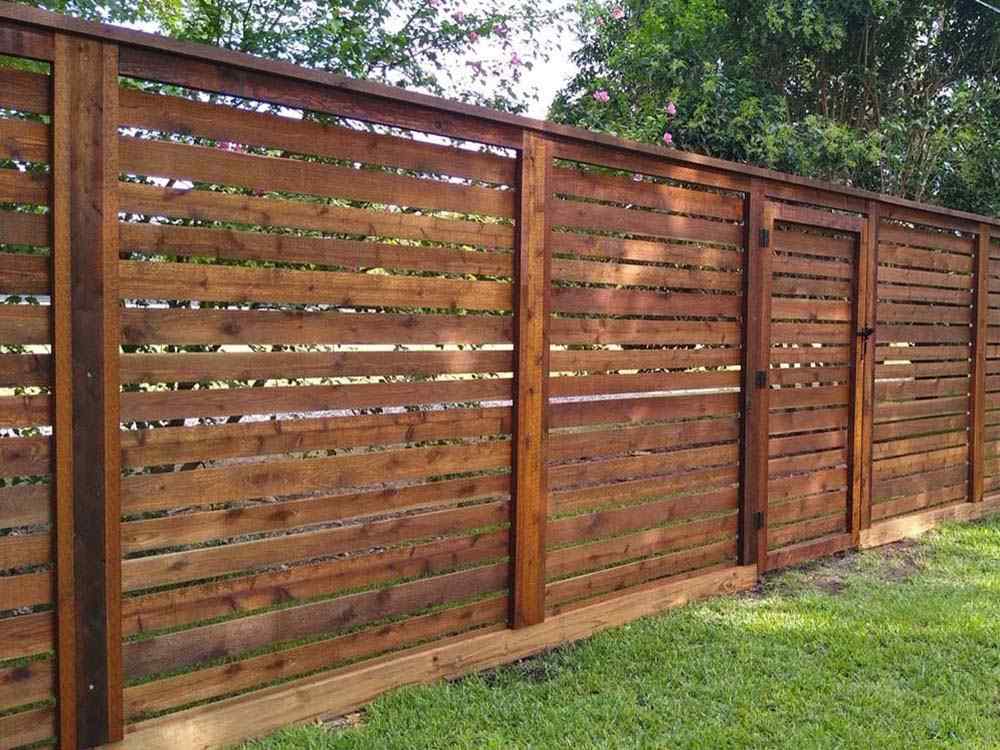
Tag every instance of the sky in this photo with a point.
(548, 79)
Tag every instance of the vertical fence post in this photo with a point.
(756, 399)
(977, 386)
(85, 304)
(863, 371)
(531, 372)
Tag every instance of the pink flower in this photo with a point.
(668, 139)
(501, 30)
(515, 59)
(459, 16)
(671, 109)
(600, 22)
(230, 146)
(602, 96)
(637, 177)
(473, 37)
(618, 13)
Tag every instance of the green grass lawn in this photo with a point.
(897, 647)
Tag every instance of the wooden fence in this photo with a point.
(311, 387)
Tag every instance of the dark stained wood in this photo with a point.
(230, 244)
(353, 501)
(224, 123)
(274, 212)
(862, 351)
(85, 172)
(215, 681)
(344, 690)
(24, 140)
(187, 326)
(813, 217)
(977, 384)
(868, 281)
(636, 573)
(627, 191)
(23, 41)
(531, 375)
(141, 280)
(213, 165)
(755, 400)
(809, 550)
(153, 492)
(187, 648)
(185, 63)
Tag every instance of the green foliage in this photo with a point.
(891, 648)
(443, 47)
(898, 96)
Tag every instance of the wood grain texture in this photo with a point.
(350, 688)
(977, 384)
(85, 228)
(319, 507)
(868, 283)
(755, 400)
(531, 375)
(239, 74)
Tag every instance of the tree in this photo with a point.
(898, 96)
(475, 52)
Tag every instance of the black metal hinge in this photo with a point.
(758, 520)
(765, 237)
(761, 378)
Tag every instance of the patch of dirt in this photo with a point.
(895, 563)
(348, 721)
(535, 669)
(900, 560)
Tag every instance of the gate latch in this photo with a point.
(761, 378)
(866, 333)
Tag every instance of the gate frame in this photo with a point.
(762, 214)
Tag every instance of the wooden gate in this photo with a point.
(819, 331)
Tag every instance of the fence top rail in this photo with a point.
(25, 16)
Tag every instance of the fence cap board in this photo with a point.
(37, 18)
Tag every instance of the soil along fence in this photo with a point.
(310, 388)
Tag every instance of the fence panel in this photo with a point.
(409, 388)
(27, 633)
(991, 422)
(645, 373)
(316, 392)
(813, 332)
(925, 298)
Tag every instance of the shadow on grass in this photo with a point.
(892, 648)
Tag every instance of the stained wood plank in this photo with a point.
(274, 212)
(25, 92)
(755, 399)
(86, 302)
(169, 114)
(977, 384)
(152, 492)
(143, 280)
(627, 191)
(347, 689)
(25, 41)
(531, 349)
(231, 244)
(178, 326)
(868, 263)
